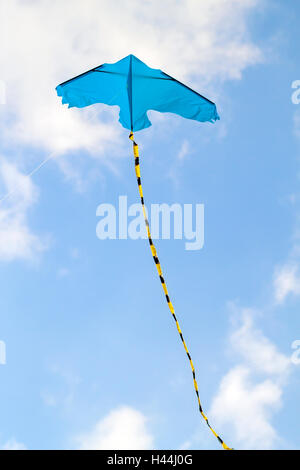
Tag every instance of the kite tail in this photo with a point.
(158, 267)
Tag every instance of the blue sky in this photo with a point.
(92, 354)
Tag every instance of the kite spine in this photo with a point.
(162, 280)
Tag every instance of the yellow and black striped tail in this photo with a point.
(158, 267)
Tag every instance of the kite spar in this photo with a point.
(137, 88)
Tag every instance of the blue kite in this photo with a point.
(136, 89)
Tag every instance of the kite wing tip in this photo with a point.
(60, 93)
(215, 116)
(58, 90)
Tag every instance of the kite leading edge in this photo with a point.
(137, 88)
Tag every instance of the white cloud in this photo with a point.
(251, 391)
(286, 281)
(16, 239)
(12, 444)
(245, 407)
(124, 428)
(257, 350)
(193, 40)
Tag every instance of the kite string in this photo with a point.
(10, 193)
(53, 154)
(159, 270)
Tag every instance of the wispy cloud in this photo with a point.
(12, 444)
(63, 272)
(286, 278)
(184, 150)
(286, 282)
(174, 172)
(63, 392)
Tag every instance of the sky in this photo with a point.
(90, 356)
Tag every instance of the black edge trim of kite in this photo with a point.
(82, 74)
(119, 73)
(130, 97)
(175, 80)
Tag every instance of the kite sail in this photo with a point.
(136, 89)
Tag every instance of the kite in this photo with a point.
(137, 88)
